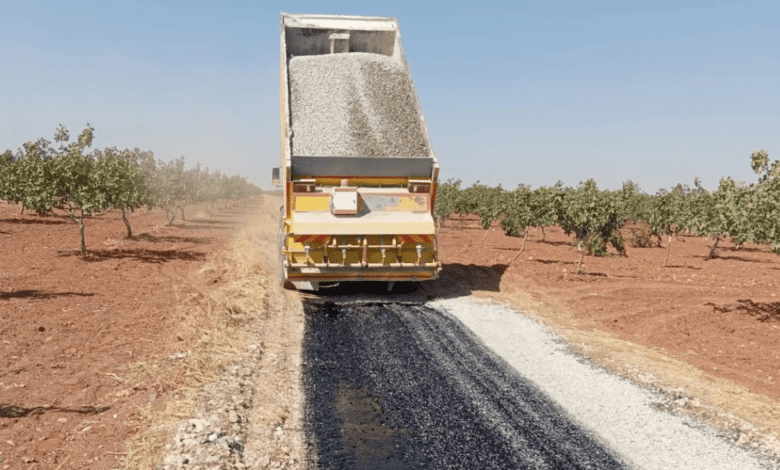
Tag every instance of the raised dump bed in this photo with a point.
(358, 168)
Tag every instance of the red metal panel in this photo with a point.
(311, 238)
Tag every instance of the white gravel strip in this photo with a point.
(614, 409)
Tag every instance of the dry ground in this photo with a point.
(706, 330)
(97, 349)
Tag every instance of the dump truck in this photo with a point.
(358, 171)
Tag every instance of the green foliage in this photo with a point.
(633, 200)
(123, 181)
(483, 201)
(594, 217)
(517, 211)
(169, 187)
(447, 197)
(83, 185)
(543, 203)
(739, 211)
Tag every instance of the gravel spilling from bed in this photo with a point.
(355, 104)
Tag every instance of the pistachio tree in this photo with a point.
(123, 181)
(594, 217)
(447, 195)
(517, 215)
(668, 214)
(543, 205)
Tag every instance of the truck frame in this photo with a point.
(348, 218)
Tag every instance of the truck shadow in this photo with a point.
(461, 280)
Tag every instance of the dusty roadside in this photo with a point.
(111, 349)
(246, 414)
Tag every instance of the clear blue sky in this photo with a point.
(532, 92)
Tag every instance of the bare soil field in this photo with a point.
(76, 332)
(708, 329)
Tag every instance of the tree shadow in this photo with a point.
(142, 255)
(189, 226)
(748, 249)
(552, 261)
(762, 311)
(567, 243)
(11, 411)
(213, 222)
(748, 260)
(593, 274)
(679, 266)
(36, 221)
(40, 295)
(151, 238)
(733, 258)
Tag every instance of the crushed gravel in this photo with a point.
(634, 422)
(355, 105)
(405, 386)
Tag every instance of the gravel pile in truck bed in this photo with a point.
(354, 104)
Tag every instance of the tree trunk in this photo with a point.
(580, 247)
(81, 234)
(668, 247)
(522, 247)
(544, 235)
(170, 214)
(181, 209)
(127, 223)
(487, 231)
(21, 209)
(714, 249)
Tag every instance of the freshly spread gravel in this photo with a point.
(628, 419)
(406, 386)
(354, 105)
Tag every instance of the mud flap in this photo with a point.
(307, 285)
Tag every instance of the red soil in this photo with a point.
(69, 324)
(721, 315)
